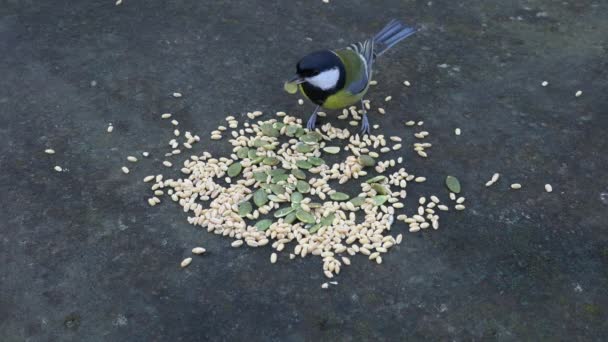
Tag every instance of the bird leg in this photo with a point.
(365, 129)
(312, 120)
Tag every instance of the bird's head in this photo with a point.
(321, 69)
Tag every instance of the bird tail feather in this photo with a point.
(391, 34)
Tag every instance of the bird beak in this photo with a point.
(296, 79)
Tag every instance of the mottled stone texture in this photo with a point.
(83, 257)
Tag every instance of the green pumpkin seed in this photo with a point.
(332, 149)
(260, 176)
(316, 161)
(234, 169)
(303, 148)
(271, 161)
(453, 184)
(260, 197)
(296, 205)
(300, 132)
(366, 160)
(259, 143)
(276, 172)
(328, 220)
(310, 138)
(242, 152)
(245, 208)
(314, 228)
(297, 197)
(283, 212)
(339, 196)
(380, 189)
(257, 160)
(291, 130)
(377, 179)
(277, 189)
(269, 131)
(303, 164)
(279, 178)
(252, 154)
(302, 186)
(314, 205)
(291, 186)
(275, 199)
(305, 216)
(299, 174)
(291, 218)
(262, 225)
(278, 125)
(380, 200)
(357, 201)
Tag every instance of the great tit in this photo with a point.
(335, 79)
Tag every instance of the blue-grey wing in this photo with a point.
(361, 65)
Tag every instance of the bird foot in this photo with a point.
(312, 122)
(365, 128)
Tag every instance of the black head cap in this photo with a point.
(316, 62)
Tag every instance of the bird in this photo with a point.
(335, 79)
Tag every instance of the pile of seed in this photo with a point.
(276, 189)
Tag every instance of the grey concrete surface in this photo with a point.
(83, 257)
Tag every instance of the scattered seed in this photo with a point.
(325, 285)
(410, 123)
(548, 188)
(125, 169)
(545, 83)
(49, 151)
(407, 83)
(373, 82)
(110, 128)
(388, 98)
(381, 111)
(132, 159)
(186, 262)
(237, 243)
(515, 186)
(167, 163)
(578, 93)
(300, 102)
(198, 250)
(273, 258)
(165, 115)
(457, 131)
(177, 95)
(453, 184)
(59, 169)
(459, 207)
(419, 179)
(145, 154)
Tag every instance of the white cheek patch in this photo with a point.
(326, 80)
